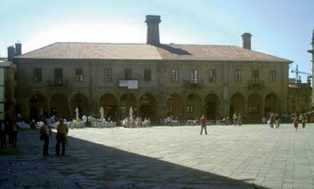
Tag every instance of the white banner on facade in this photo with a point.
(132, 84)
(123, 83)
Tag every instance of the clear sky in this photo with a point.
(281, 28)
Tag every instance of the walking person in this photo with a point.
(3, 134)
(62, 132)
(235, 119)
(296, 122)
(14, 131)
(272, 120)
(203, 124)
(277, 120)
(45, 132)
(239, 120)
(303, 120)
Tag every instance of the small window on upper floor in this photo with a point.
(79, 74)
(238, 75)
(175, 75)
(255, 77)
(147, 75)
(272, 76)
(128, 74)
(108, 74)
(212, 75)
(37, 74)
(58, 77)
(193, 76)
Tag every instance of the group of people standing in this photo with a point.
(8, 128)
(62, 132)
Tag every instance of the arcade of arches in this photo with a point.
(146, 106)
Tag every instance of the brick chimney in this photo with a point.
(18, 49)
(246, 37)
(11, 52)
(153, 29)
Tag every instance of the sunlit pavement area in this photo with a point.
(245, 156)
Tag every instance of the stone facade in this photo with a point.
(312, 52)
(156, 80)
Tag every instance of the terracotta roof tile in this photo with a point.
(148, 52)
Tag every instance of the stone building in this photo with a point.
(312, 52)
(7, 88)
(155, 79)
(299, 99)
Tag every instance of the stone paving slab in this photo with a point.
(165, 157)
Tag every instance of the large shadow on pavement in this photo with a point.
(116, 168)
(92, 165)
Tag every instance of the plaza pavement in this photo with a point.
(165, 157)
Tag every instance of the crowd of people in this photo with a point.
(9, 129)
(135, 122)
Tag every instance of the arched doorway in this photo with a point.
(38, 107)
(148, 107)
(255, 103)
(79, 101)
(110, 105)
(237, 104)
(212, 107)
(126, 101)
(193, 106)
(272, 103)
(59, 106)
(175, 106)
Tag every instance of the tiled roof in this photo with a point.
(148, 52)
(5, 63)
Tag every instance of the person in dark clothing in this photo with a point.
(14, 131)
(62, 132)
(45, 132)
(3, 134)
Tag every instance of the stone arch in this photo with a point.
(237, 104)
(79, 101)
(38, 107)
(175, 105)
(272, 103)
(59, 106)
(110, 104)
(212, 104)
(255, 105)
(127, 101)
(148, 107)
(193, 106)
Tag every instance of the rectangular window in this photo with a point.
(128, 74)
(272, 76)
(238, 75)
(190, 109)
(212, 75)
(37, 74)
(175, 75)
(108, 74)
(147, 75)
(255, 77)
(253, 109)
(79, 74)
(58, 77)
(193, 76)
